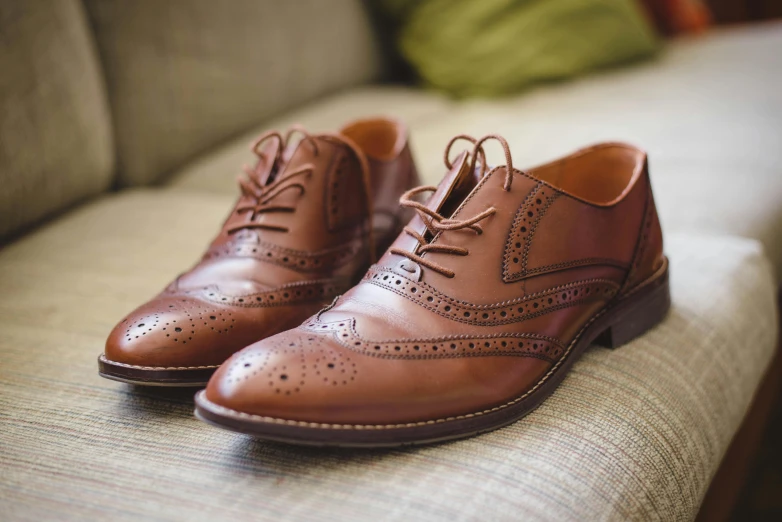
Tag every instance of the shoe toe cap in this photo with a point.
(306, 375)
(292, 375)
(177, 331)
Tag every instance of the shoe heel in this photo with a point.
(637, 317)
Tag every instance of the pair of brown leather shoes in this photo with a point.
(466, 323)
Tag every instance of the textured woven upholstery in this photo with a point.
(216, 171)
(709, 112)
(55, 135)
(184, 76)
(632, 434)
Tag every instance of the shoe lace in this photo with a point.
(436, 223)
(260, 196)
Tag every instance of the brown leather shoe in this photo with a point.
(299, 235)
(473, 317)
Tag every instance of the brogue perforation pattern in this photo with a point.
(519, 345)
(504, 312)
(299, 292)
(179, 323)
(342, 209)
(312, 363)
(646, 229)
(528, 216)
(333, 209)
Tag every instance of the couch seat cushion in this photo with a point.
(635, 433)
(216, 171)
(709, 112)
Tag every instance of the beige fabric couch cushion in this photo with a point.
(632, 434)
(55, 134)
(184, 76)
(709, 112)
(217, 170)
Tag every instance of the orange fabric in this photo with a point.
(674, 17)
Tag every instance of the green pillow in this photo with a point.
(497, 47)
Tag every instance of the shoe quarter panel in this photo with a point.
(478, 275)
(564, 232)
(577, 257)
(322, 219)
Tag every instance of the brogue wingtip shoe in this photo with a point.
(474, 315)
(310, 216)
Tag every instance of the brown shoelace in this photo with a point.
(436, 223)
(261, 195)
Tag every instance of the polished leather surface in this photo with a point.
(299, 235)
(497, 274)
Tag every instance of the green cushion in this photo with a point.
(496, 47)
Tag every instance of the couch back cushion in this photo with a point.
(184, 76)
(55, 133)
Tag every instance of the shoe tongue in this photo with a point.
(454, 187)
(264, 168)
(295, 155)
(307, 152)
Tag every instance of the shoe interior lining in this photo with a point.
(465, 183)
(600, 175)
(379, 138)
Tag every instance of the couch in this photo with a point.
(123, 128)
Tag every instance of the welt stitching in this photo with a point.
(159, 368)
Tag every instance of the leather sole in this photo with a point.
(196, 376)
(615, 325)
